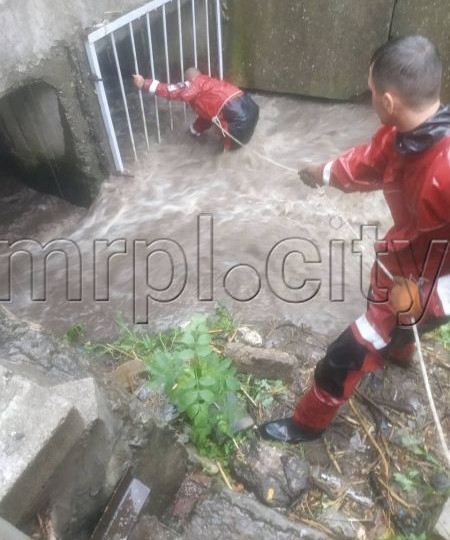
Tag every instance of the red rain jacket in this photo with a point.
(206, 96)
(417, 190)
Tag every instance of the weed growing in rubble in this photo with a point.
(195, 376)
(200, 382)
(74, 334)
(263, 391)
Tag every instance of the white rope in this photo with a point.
(385, 270)
(261, 156)
(430, 396)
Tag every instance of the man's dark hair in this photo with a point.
(410, 66)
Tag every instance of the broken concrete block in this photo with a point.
(275, 476)
(235, 516)
(263, 363)
(441, 530)
(86, 398)
(38, 428)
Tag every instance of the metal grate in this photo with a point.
(142, 17)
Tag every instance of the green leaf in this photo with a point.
(185, 399)
(406, 483)
(202, 328)
(204, 339)
(187, 338)
(203, 350)
(184, 355)
(410, 440)
(193, 410)
(207, 395)
(207, 380)
(187, 382)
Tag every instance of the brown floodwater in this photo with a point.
(195, 227)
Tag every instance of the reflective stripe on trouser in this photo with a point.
(347, 360)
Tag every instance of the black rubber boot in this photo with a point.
(285, 430)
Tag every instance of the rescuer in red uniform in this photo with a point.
(210, 99)
(409, 159)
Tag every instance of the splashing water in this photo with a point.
(253, 207)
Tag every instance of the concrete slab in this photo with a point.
(441, 530)
(38, 428)
(85, 396)
(264, 363)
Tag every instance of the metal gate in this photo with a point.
(149, 17)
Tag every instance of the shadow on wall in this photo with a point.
(36, 143)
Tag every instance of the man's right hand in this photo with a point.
(311, 175)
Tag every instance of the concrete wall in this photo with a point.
(43, 41)
(323, 48)
(432, 19)
(310, 47)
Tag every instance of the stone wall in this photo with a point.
(322, 48)
(43, 42)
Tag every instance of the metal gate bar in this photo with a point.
(194, 33)
(126, 20)
(122, 91)
(208, 49)
(166, 51)
(180, 41)
(136, 67)
(152, 68)
(219, 37)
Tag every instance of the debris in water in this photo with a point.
(334, 483)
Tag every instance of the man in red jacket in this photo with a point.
(409, 159)
(212, 100)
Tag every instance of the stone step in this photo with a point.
(38, 427)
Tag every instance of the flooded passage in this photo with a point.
(256, 219)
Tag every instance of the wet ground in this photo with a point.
(380, 463)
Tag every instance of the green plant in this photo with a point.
(74, 334)
(409, 481)
(202, 384)
(223, 321)
(443, 334)
(262, 391)
(417, 447)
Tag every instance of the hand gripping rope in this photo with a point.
(426, 381)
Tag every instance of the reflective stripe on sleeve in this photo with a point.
(153, 86)
(327, 173)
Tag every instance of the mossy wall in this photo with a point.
(322, 48)
(432, 19)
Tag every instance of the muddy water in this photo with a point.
(256, 220)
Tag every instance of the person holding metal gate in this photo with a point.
(214, 101)
(409, 159)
